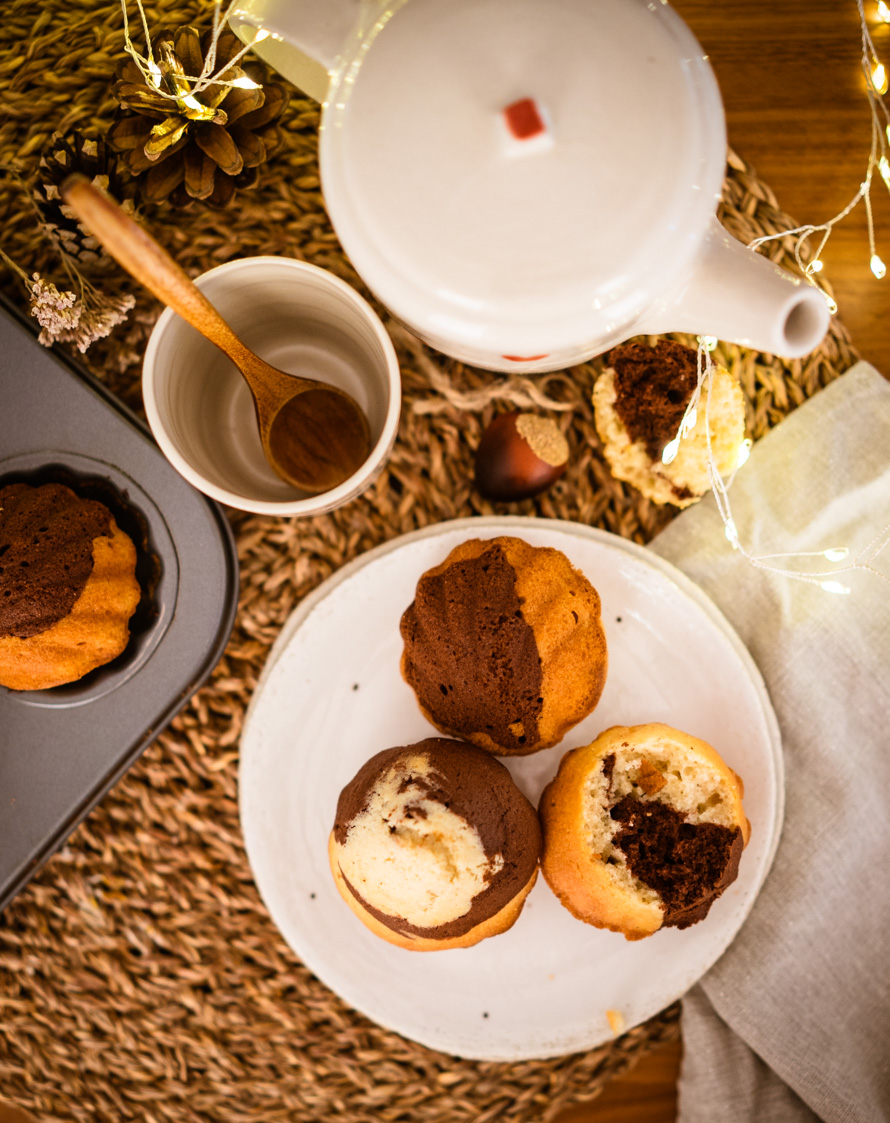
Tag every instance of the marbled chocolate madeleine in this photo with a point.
(639, 402)
(67, 587)
(653, 386)
(470, 656)
(504, 645)
(46, 554)
(443, 812)
(644, 829)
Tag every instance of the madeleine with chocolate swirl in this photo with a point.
(434, 846)
(643, 829)
(639, 401)
(67, 586)
(504, 646)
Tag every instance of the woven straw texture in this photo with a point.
(140, 975)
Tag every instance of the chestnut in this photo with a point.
(520, 455)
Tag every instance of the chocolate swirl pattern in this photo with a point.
(433, 845)
(504, 646)
(67, 586)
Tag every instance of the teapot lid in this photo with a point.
(522, 176)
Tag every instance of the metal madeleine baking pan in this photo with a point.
(62, 749)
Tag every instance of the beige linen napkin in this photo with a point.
(793, 1022)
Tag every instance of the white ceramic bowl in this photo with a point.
(297, 317)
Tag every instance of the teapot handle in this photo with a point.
(301, 39)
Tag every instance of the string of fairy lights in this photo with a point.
(183, 88)
(876, 83)
(828, 580)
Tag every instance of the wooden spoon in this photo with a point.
(314, 435)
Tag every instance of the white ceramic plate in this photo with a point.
(331, 695)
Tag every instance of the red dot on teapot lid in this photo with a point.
(523, 119)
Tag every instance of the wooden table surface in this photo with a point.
(796, 109)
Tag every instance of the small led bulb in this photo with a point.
(831, 302)
(815, 266)
(884, 169)
(837, 553)
(879, 78)
(670, 451)
(245, 83)
(883, 12)
(731, 533)
(834, 587)
(744, 452)
(878, 267)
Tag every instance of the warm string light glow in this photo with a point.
(192, 84)
(826, 580)
(876, 84)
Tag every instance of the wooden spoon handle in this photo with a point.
(142, 257)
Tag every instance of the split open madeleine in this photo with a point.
(643, 829)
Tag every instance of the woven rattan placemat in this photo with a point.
(140, 975)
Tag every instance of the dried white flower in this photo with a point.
(55, 311)
(99, 316)
(67, 318)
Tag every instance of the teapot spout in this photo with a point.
(738, 296)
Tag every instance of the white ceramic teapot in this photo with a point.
(525, 183)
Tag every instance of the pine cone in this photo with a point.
(63, 155)
(198, 146)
